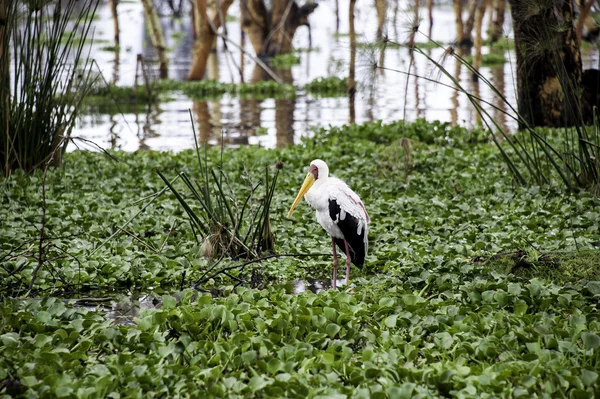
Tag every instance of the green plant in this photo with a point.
(227, 223)
(327, 86)
(536, 155)
(41, 95)
(285, 61)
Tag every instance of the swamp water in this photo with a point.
(383, 94)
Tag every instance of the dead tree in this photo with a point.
(381, 10)
(206, 34)
(458, 8)
(584, 13)
(4, 71)
(271, 31)
(497, 20)
(113, 10)
(479, 36)
(352, 73)
(157, 36)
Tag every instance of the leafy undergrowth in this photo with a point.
(426, 318)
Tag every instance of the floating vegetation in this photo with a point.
(431, 314)
(327, 87)
(114, 48)
(502, 44)
(488, 59)
(284, 61)
(205, 89)
(103, 94)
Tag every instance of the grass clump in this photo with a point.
(43, 83)
(327, 87)
(224, 222)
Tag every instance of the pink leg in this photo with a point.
(348, 259)
(335, 262)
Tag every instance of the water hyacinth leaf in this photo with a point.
(168, 302)
(589, 377)
(10, 339)
(332, 329)
(390, 321)
(257, 383)
(590, 340)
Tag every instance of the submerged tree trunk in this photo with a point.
(271, 31)
(113, 9)
(158, 37)
(467, 36)
(351, 74)
(4, 78)
(381, 10)
(415, 24)
(205, 36)
(498, 20)
(478, 37)
(548, 62)
(458, 20)
(429, 5)
(584, 13)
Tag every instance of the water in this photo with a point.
(383, 94)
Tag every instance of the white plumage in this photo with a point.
(339, 211)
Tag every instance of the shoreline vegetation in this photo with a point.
(473, 286)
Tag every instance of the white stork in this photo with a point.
(341, 213)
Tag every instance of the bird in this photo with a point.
(340, 212)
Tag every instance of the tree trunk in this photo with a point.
(5, 80)
(498, 20)
(429, 5)
(381, 9)
(415, 23)
(271, 31)
(478, 36)
(113, 9)
(206, 35)
(583, 15)
(458, 20)
(467, 36)
(548, 63)
(337, 16)
(351, 74)
(157, 35)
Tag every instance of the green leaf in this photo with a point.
(257, 383)
(10, 339)
(332, 329)
(168, 302)
(588, 377)
(590, 340)
(249, 357)
(390, 321)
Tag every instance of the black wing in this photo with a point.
(349, 228)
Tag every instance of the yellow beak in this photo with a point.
(308, 182)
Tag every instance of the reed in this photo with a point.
(45, 76)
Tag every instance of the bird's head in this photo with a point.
(317, 170)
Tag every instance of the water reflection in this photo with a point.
(281, 121)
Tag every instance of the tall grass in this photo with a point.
(225, 222)
(46, 75)
(535, 155)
